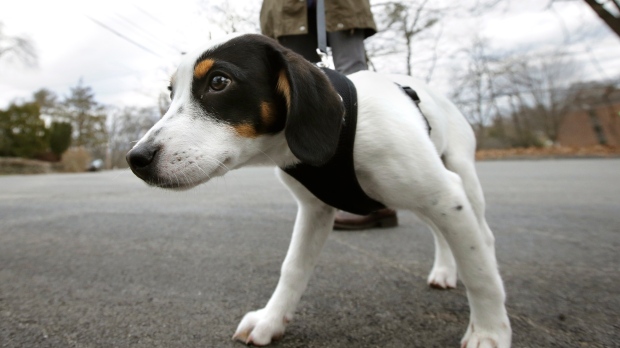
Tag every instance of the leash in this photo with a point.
(321, 33)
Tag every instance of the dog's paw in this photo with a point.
(477, 338)
(442, 278)
(260, 328)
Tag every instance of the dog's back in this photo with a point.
(392, 133)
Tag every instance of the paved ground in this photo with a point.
(100, 260)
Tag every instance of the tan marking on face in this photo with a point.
(246, 130)
(266, 113)
(285, 88)
(203, 68)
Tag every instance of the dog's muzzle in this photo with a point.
(142, 161)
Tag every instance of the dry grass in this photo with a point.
(75, 160)
(548, 152)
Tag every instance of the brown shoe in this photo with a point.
(380, 218)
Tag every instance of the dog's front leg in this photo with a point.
(314, 222)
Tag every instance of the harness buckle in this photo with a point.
(324, 61)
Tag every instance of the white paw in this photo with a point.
(477, 338)
(442, 278)
(260, 328)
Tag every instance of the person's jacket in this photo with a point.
(290, 17)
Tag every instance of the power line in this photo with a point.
(147, 34)
(162, 23)
(123, 37)
(149, 15)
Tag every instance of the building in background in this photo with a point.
(594, 119)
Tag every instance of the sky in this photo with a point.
(81, 41)
(72, 45)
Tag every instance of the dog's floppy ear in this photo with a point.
(314, 109)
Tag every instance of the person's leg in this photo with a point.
(303, 44)
(348, 51)
(349, 57)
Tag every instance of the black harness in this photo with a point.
(335, 183)
(414, 96)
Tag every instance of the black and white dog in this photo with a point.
(249, 101)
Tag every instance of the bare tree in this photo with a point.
(399, 22)
(88, 118)
(411, 31)
(125, 127)
(542, 85)
(232, 17)
(50, 105)
(476, 91)
(16, 47)
(518, 99)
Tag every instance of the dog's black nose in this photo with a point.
(141, 159)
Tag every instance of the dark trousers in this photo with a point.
(347, 46)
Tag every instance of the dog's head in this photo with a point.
(234, 103)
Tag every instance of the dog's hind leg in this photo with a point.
(444, 274)
(462, 163)
(314, 221)
(448, 207)
(459, 159)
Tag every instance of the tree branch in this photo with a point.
(612, 21)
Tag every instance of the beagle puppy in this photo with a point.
(247, 101)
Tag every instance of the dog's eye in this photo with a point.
(171, 92)
(219, 82)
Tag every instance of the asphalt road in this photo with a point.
(101, 260)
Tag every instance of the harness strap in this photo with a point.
(414, 96)
(335, 183)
